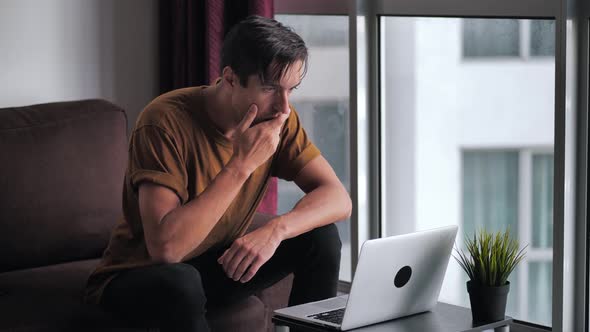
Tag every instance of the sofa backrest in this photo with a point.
(61, 179)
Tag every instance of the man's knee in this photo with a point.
(181, 285)
(327, 243)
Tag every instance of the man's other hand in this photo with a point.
(247, 254)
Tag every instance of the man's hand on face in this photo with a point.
(254, 145)
(248, 253)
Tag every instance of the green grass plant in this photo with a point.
(490, 257)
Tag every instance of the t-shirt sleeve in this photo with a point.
(295, 149)
(155, 156)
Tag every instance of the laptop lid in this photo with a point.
(398, 276)
(395, 277)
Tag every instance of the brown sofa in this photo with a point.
(61, 178)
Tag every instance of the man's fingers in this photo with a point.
(254, 267)
(232, 265)
(220, 259)
(236, 260)
(242, 267)
(274, 124)
(248, 118)
(279, 120)
(227, 256)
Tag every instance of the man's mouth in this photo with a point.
(268, 118)
(261, 120)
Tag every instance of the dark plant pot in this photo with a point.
(488, 304)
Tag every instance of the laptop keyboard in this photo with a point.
(333, 316)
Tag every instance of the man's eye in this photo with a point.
(268, 89)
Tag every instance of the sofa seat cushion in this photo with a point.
(277, 296)
(50, 299)
(247, 315)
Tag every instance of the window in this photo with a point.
(431, 88)
(490, 37)
(542, 32)
(485, 38)
(319, 31)
(453, 134)
(514, 189)
(322, 103)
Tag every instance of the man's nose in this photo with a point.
(282, 102)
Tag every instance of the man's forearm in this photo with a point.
(324, 205)
(180, 229)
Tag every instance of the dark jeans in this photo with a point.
(173, 297)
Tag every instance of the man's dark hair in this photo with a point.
(264, 47)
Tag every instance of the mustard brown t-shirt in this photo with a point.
(175, 144)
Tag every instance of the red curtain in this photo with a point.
(190, 38)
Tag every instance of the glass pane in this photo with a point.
(457, 140)
(543, 201)
(490, 191)
(490, 37)
(542, 36)
(322, 31)
(322, 103)
(540, 296)
(490, 199)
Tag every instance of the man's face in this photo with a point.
(271, 98)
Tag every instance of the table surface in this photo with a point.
(443, 318)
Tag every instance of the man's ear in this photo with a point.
(228, 76)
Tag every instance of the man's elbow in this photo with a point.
(348, 209)
(347, 206)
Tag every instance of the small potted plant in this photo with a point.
(489, 260)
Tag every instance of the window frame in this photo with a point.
(582, 101)
(570, 263)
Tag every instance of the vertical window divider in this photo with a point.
(364, 125)
(582, 266)
(568, 267)
(525, 166)
(525, 39)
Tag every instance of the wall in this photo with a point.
(55, 50)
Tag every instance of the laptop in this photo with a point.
(395, 277)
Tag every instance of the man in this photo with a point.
(199, 161)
